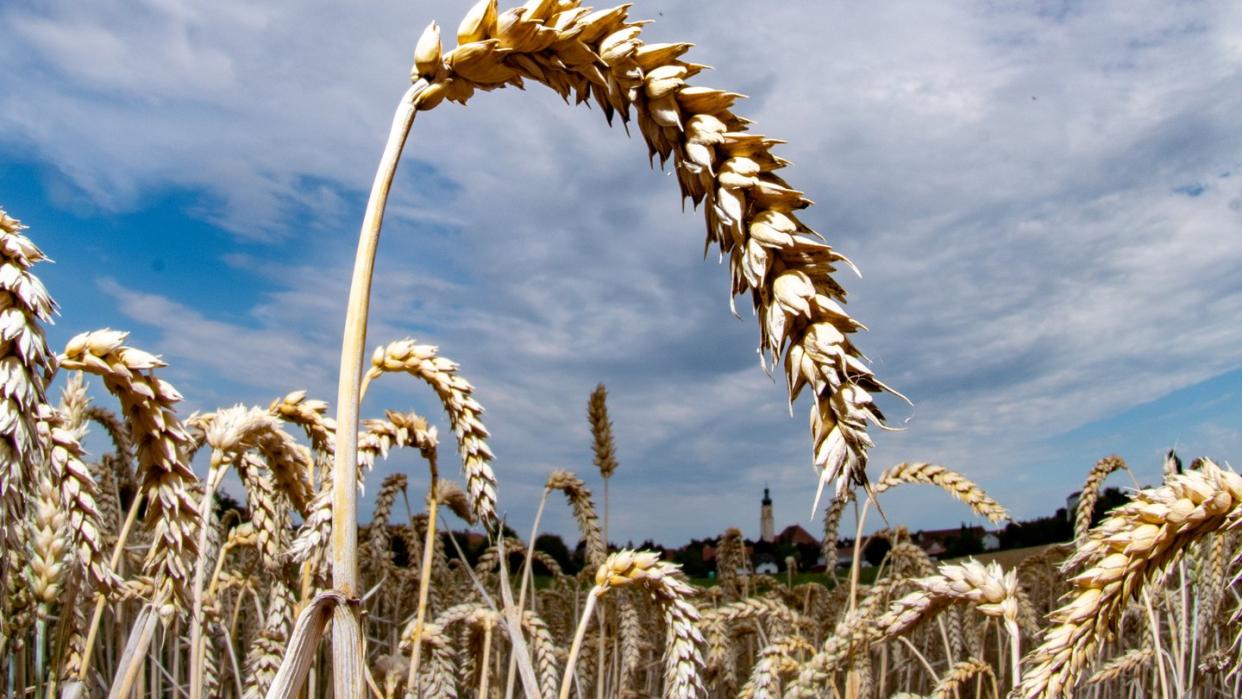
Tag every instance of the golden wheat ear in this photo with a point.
(751, 212)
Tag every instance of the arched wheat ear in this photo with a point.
(1136, 541)
(380, 436)
(464, 412)
(579, 497)
(683, 655)
(1126, 664)
(991, 590)
(1091, 492)
(167, 482)
(953, 483)
(749, 209)
(960, 674)
(776, 661)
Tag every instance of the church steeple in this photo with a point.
(767, 530)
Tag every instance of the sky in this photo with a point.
(1044, 200)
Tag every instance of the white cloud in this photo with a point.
(1007, 178)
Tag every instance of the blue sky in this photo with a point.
(1043, 198)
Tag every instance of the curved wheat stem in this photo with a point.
(464, 412)
(1091, 492)
(955, 484)
(1135, 542)
(749, 209)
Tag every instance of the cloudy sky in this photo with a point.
(1045, 200)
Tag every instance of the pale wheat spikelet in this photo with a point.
(750, 211)
(77, 497)
(310, 415)
(374, 442)
(1172, 464)
(74, 401)
(26, 363)
(683, 656)
(1123, 665)
(544, 650)
(234, 431)
(730, 558)
(777, 660)
(1212, 577)
(267, 649)
(955, 484)
(1118, 557)
(719, 622)
(579, 497)
(1091, 492)
(958, 675)
(602, 443)
(167, 481)
(47, 545)
(464, 412)
(268, 513)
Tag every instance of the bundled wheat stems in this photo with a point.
(123, 577)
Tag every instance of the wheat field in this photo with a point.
(125, 577)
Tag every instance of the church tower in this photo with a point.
(767, 531)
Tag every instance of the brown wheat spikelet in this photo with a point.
(749, 210)
(602, 443)
(167, 481)
(1117, 559)
(1091, 492)
(464, 412)
(950, 481)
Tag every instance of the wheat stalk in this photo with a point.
(955, 484)
(1091, 492)
(749, 209)
(1136, 541)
